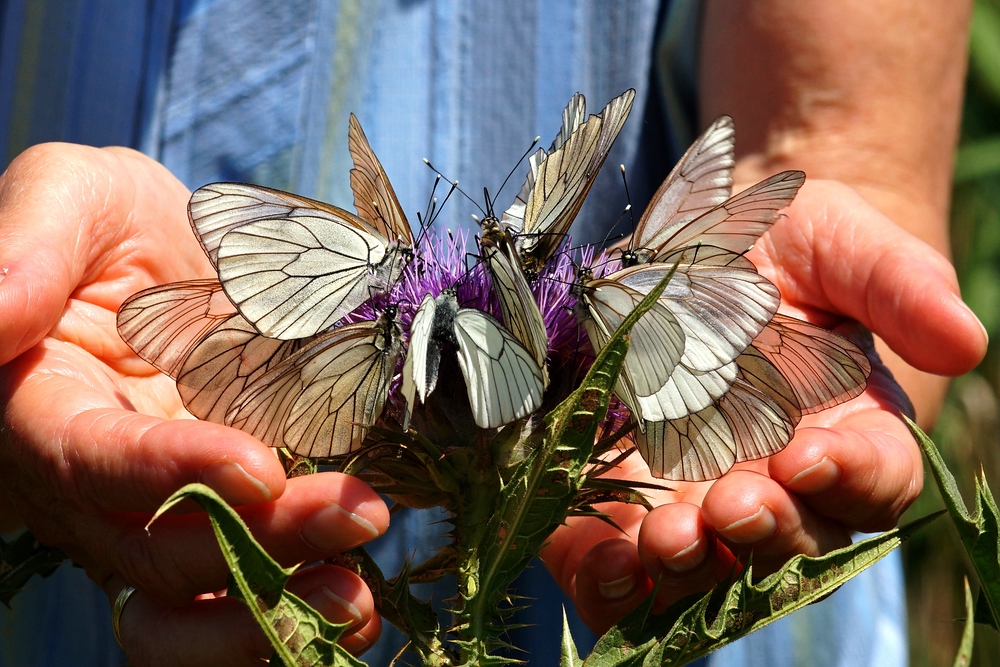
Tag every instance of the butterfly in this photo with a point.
(559, 179)
(701, 181)
(793, 368)
(709, 416)
(719, 299)
(517, 302)
(293, 266)
(557, 183)
(503, 379)
(322, 399)
(328, 389)
(712, 308)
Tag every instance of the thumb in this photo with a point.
(836, 252)
(65, 212)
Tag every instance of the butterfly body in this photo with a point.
(518, 307)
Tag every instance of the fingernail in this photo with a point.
(332, 606)
(686, 559)
(965, 306)
(754, 528)
(617, 589)
(356, 643)
(230, 480)
(818, 477)
(333, 528)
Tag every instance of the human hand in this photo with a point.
(93, 439)
(854, 467)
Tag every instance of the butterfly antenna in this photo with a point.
(518, 163)
(608, 238)
(738, 255)
(440, 207)
(609, 259)
(455, 184)
(426, 222)
(628, 198)
(431, 201)
(489, 203)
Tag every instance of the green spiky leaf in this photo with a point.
(569, 656)
(978, 530)
(964, 656)
(299, 634)
(697, 625)
(21, 559)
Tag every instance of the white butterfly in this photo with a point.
(323, 399)
(727, 402)
(792, 369)
(503, 379)
(719, 300)
(558, 180)
(293, 266)
(701, 180)
(683, 352)
(328, 389)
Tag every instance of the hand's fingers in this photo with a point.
(849, 258)
(221, 630)
(610, 582)
(66, 433)
(864, 474)
(752, 513)
(680, 554)
(66, 213)
(572, 541)
(178, 558)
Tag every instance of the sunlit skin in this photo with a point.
(91, 445)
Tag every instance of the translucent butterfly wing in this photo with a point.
(295, 277)
(656, 341)
(503, 379)
(720, 300)
(164, 323)
(822, 368)
(736, 224)
(573, 116)
(762, 409)
(685, 392)
(218, 370)
(563, 180)
(374, 198)
(517, 303)
(755, 418)
(218, 208)
(419, 369)
(702, 180)
(323, 400)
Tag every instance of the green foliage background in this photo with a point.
(968, 431)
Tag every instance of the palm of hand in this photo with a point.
(853, 467)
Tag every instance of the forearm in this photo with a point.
(865, 92)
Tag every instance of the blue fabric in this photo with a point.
(260, 91)
(62, 620)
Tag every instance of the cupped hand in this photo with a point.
(838, 262)
(93, 439)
